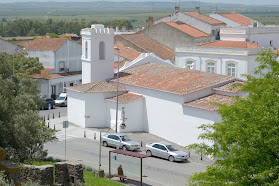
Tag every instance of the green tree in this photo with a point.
(21, 132)
(246, 142)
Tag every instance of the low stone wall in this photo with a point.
(40, 174)
(68, 173)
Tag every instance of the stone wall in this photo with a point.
(40, 174)
(68, 173)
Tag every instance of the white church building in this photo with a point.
(154, 95)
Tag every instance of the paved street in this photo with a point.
(85, 150)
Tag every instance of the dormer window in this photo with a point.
(102, 51)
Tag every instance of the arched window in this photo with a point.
(231, 69)
(86, 50)
(210, 67)
(102, 51)
(189, 64)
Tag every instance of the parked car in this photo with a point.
(46, 102)
(61, 100)
(119, 141)
(166, 151)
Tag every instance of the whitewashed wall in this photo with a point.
(134, 112)
(76, 108)
(45, 57)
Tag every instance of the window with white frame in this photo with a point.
(189, 64)
(231, 69)
(61, 66)
(210, 67)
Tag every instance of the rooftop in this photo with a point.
(230, 87)
(206, 103)
(238, 18)
(188, 30)
(46, 44)
(204, 18)
(126, 98)
(170, 78)
(46, 74)
(230, 44)
(127, 53)
(148, 45)
(96, 87)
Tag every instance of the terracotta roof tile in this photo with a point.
(230, 44)
(206, 102)
(46, 74)
(238, 18)
(126, 98)
(188, 30)
(204, 18)
(150, 45)
(96, 87)
(46, 44)
(229, 87)
(121, 64)
(170, 78)
(127, 53)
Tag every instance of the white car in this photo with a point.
(61, 100)
(166, 151)
(119, 141)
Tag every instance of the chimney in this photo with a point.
(197, 9)
(47, 35)
(149, 21)
(177, 9)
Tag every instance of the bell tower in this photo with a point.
(97, 53)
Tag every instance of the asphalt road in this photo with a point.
(156, 171)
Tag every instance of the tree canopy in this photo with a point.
(22, 133)
(246, 142)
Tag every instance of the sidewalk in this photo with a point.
(75, 131)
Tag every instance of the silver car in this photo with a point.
(119, 141)
(166, 151)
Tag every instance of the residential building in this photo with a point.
(61, 60)
(9, 47)
(174, 34)
(232, 58)
(154, 96)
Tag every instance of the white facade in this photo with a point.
(218, 60)
(69, 54)
(97, 53)
(267, 36)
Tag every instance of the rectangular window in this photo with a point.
(211, 67)
(231, 69)
(61, 66)
(271, 43)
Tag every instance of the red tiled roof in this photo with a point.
(46, 44)
(188, 30)
(96, 87)
(149, 45)
(238, 18)
(170, 78)
(45, 74)
(121, 64)
(276, 51)
(126, 98)
(127, 53)
(206, 102)
(230, 44)
(229, 87)
(204, 18)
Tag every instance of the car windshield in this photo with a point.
(171, 148)
(48, 100)
(125, 138)
(60, 98)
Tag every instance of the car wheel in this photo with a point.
(149, 153)
(171, 158)
(105, 144)
(124, 147)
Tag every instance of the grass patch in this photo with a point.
(89, 178)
